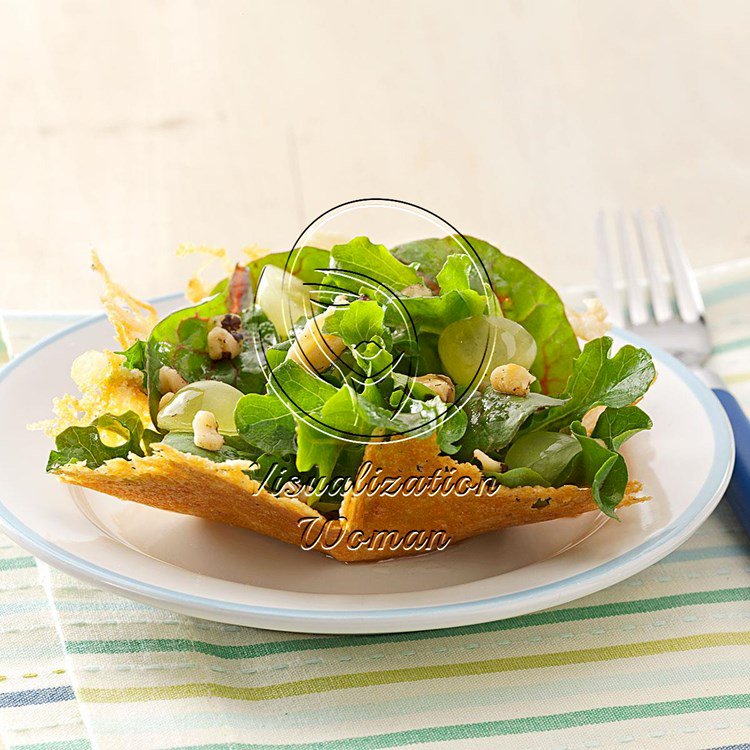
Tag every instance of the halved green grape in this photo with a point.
(478, 345)
(207, 395)
(283, 298)
(550, 454)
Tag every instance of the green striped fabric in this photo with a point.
(659, 661)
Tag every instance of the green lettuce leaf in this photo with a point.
(360, 263)
(85, 445)
(319, 448)
(599, 380)
(310, 264)
(529, 300)
(429, 257)
(266, 423)
(524, 296)
(456, 300)
(299, 388)
(615, 426)
(357, 323)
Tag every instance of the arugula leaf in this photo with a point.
(601, 469)
(615, 426)
(599, 380)
(85, 445)
(181, 341)
(495, 418)
(273, 471)
(135, 357)
(450, 431)
(368, 263)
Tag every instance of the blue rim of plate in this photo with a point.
(711, 492)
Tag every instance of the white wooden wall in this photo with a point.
(134, 126)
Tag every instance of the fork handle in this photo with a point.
(738, 492)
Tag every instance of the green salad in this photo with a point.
(298, 360)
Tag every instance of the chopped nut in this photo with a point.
(416, 290)
(314, 349)
(488, 463)
(222, 345)
(170, 381)
(206, 431)
(441, 385)
(230, 322)
(590, 324)
(165, 399)
(512, 379)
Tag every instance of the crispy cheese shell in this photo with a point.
(382, 507)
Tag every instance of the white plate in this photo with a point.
(236, 576)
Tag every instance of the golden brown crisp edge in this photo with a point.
(374, 515)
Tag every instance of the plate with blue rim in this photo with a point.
(233, 575)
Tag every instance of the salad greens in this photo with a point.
(125, 434)
(398, 322)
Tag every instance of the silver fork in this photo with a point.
(673, 321)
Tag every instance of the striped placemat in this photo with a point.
(658, 661)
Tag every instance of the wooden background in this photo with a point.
(135, 126)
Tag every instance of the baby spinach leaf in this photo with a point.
(522, 477)
(615, 426)
(232, 449)
(552, 455)
(495, 418)
(599, 380)
(85, 444)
